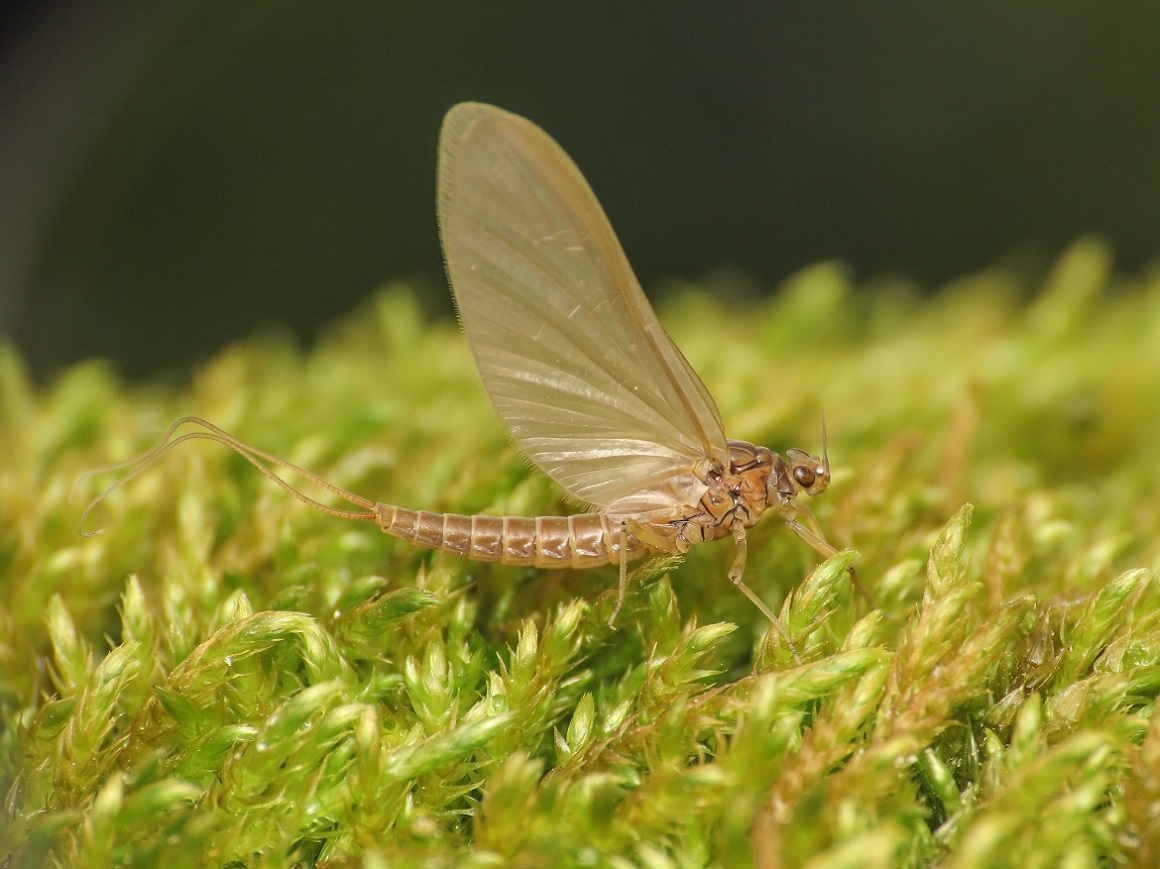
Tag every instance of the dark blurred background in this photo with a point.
(173, 175)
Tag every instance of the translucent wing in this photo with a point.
(571, 354)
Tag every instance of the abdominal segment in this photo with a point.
(584, 540)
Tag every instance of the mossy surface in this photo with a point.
(224, 677)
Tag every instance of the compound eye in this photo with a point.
(804, 476)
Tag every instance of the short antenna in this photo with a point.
(825, 443)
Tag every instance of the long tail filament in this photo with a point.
(260, 459)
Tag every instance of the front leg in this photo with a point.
(823, 548)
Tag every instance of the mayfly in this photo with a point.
(578, 367)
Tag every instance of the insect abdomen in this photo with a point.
(583, 540)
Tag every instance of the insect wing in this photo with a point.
(574, 359)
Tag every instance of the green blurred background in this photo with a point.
(175, 175)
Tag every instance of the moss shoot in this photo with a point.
(224, 677)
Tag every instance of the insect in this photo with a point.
(592, 389)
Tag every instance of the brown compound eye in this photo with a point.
(804, 476)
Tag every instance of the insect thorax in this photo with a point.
(748, 478)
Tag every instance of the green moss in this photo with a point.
(224, 677)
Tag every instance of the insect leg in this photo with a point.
(740, 551)
(623, 587)
(819, 544)
(806, 513)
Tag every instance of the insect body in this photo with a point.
(577, 365)
(734, 500)
(596, 539)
